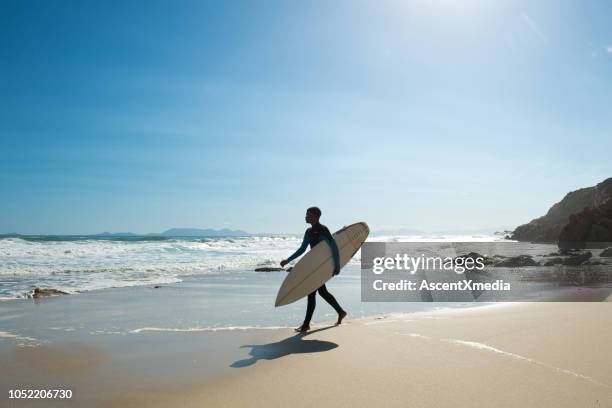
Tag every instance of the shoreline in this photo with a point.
(197, 304)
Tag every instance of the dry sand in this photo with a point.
(508, 355)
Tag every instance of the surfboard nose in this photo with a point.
(365, 225)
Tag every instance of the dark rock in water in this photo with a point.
(577, 258)
(553, 254)
(590, 226)
(268, 269)
(474, 255)
(553, 261)
(594, 262)
(44, 292)
(606, 253)
(156, 287)
(548, 227)
(568, 251)
(517, 261)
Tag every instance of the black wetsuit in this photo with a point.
(313, 236)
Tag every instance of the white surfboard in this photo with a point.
(317, 266)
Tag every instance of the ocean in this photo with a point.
(76, 264)
(137, 285)
(83, 263)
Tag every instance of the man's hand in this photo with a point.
(284, 262)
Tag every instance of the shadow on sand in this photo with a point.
(291, 345)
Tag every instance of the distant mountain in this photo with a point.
(196, 232)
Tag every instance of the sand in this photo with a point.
(507, 355)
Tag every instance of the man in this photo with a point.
(315, 234)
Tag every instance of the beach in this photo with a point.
(506, 355)
(520, 355)
(187, 335)
(212, 336)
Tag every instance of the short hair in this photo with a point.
(315, 210)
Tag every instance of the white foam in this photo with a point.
(22, 341)
(205, 329)
(485, 347)
(66, 257)
(416, 335)
(83, 265)
(507, 354)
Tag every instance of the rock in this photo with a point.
(45, 292)
(548, 227)
(594, 262)
(606, 253)
(473, 255)
(553, 261)
(156, 287)
(577, 258)
(268, 269)
(591, 225)
(553, 254)
(600, 233)
(517, 261)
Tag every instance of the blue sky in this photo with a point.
(433, 115)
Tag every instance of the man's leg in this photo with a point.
(312, 301)
(332, 301)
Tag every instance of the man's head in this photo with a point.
(312, 215)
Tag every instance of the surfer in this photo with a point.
(315, 234)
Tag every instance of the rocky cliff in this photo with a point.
(548, 227)
(588, 227)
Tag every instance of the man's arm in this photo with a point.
(335, 253)
(299, 252)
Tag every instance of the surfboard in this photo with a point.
(317, 266)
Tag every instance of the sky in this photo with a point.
(452, 115)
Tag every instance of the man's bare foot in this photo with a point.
(303, 328)
(340, 317)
